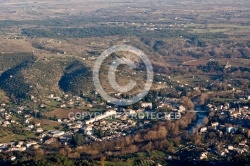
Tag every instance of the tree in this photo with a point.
(211, 113)
(132, 149)
(148, 147)
(151, 135)
(39, 153)
(99, 133)
(187, 103)
(203, 98)
(63, 152)
(171, 148)
(183, 122)
(137, 138)
(162, 132)
(78, 140)
(102, 160)
(205, 121)
(74, 155)
(197, 139)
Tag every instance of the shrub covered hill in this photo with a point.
(23, 75)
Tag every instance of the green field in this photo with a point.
(13, 137)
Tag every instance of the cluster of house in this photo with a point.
(226, 150)
(215, 126)
(51, 136)
(113, 122)
(19, 146)
(119, 125)
(5, 117)
(114, 128)
(121, 121)
(234, 113)
(64, 101)
(44, 138)
(242, 113)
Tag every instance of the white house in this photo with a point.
(29, 144)
(230, 129)
(12, 158)
(30, 126)
(215, 124)
(57, 133)
(203, 155)
(181, 108)
(27, 121)
(6, 122)
(39, 130)
(21, 149)
(230, 147)
(203, 129)
(147, 105)
(38, 124)
(88, 131)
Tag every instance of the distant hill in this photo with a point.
(24, 74)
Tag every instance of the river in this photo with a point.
(200, 114)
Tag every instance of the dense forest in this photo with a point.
(101, 31)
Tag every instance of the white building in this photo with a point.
(31, 126)
(230, 147)
(57, 133)
(230, 129)
(102, 116)
(12, 158)
(29, 144)
(21, 149)
(215, 124)
(181, 109)
(203, 129)
(203, 155)
(39, 130)
(147, 105)
(88, 131)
